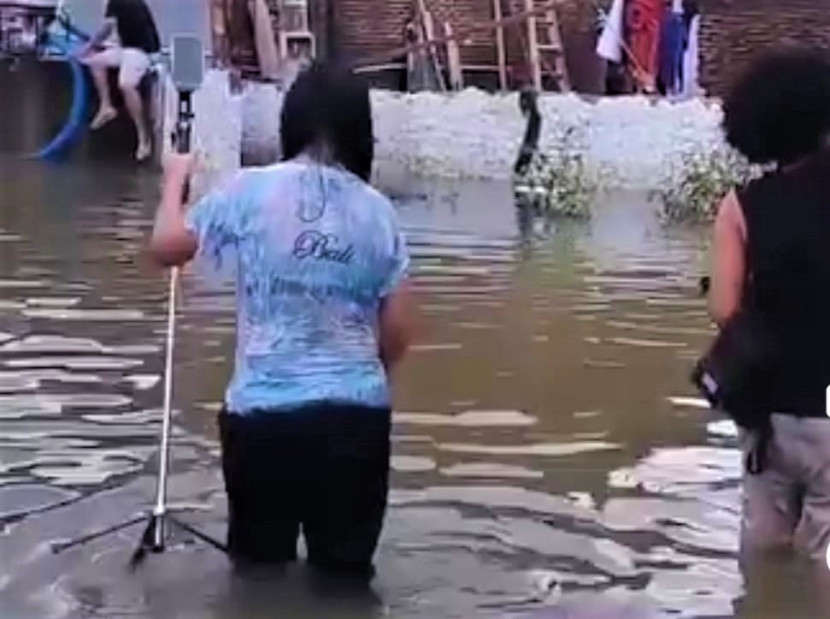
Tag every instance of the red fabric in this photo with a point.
(642, 22)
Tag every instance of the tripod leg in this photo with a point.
(199, 535)
(61, 546)
(152, 540)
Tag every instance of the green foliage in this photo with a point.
(696, 186)
(558, 182)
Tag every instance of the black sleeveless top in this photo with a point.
(135, 23)
(788, 263)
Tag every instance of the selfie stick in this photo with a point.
(187, 74)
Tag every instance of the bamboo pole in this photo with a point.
(428, 27)
(533, 46)
(454, 61)
(460, 35)
(500, 51)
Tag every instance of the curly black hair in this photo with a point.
(328, 106)
(778, 111)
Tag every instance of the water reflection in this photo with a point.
(549, 454)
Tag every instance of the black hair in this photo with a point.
(328, 110)
(778, 111)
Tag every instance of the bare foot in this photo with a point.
(144, 150)
(105, 115)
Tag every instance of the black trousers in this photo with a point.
(323, 469)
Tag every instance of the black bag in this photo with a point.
(734, 374)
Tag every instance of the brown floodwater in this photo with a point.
(548, 450)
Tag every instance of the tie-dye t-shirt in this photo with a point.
(314, 250)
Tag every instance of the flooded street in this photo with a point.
(547, 448)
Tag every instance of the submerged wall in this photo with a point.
(631, 141)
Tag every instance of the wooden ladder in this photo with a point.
(547, 53)
(294, 27)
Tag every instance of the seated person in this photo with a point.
(138, 40)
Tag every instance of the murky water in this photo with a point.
(548, 452)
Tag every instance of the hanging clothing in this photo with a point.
(610, 43)
(672, 43)
(643, 19)
(690, 10)
(691, 60)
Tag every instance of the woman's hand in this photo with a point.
(171, 243)
(178, 167)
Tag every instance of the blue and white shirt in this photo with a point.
(315, 250)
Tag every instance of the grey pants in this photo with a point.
(789, 502)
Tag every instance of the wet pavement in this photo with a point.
(550, 459)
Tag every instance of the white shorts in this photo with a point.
(132, 64)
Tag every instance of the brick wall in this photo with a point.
(370, 26)
(365, 27)
(733, 31)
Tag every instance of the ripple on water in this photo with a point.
(19, 499)
(666, 470)
(412, 464)
(642, 343)
(60, 302)
(22, 284)
(58, 344)
(689, 402)
(537, 449)
(491, 470)
(475, 419)
(41, 404)
(75, 363)
(688, 522)
(6, 304)
(95, 468)
(495, 497)
(92, 315)
(422, 348)
(142, 382)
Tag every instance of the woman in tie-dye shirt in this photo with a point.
(323, 318)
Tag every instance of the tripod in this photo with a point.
(154, 538)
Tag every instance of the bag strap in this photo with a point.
(756, 458)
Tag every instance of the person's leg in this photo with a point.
(135, 64)
(263, 521)
(813, 533)
(99, 65)
(771, 510)
(347, 500)
(772, 499)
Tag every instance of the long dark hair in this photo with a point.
(327, 113)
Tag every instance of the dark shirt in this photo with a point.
(136, 26)
(788, 257)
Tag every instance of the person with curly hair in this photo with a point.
(772, 259)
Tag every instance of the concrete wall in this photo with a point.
(630, 141)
